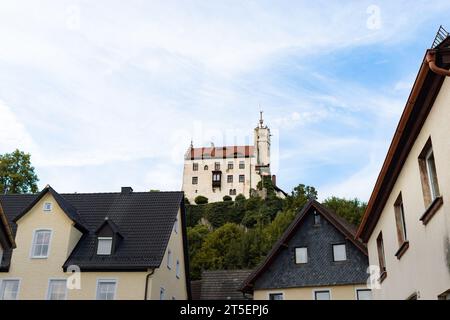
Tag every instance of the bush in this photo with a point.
(201, 200)
(227, 198)
(240, 197)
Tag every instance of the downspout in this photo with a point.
(431, 60)
(146, 282)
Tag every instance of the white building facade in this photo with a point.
(215, 172)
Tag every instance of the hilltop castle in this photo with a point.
(215, 172)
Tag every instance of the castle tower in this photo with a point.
(262, 146)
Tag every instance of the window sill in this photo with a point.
(431, 210)
(402, 249)
(39, 258)
(383, 276)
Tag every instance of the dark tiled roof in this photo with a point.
(145, 220)
(220, 152)
(277, 266)
(223, 284)
(196, 289)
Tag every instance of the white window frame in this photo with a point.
(362, 289)
(44, 207)
(169, 259)
(98, 242)
(177, 269)
(10, 279)
(175, 225)
(47, 295)
(321, 290)
(295, 255)
(32, 256)
(433, 192)
(345, 252)
(162, 293)
(106, 280)
(1, 253)
(241, 165)
(275, 292)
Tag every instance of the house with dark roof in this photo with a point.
(220, 285)
(124, 245)
(407, 222)
(6, 237)
(317, 258)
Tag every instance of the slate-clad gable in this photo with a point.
(320, 270)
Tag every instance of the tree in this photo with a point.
(300, 196)
(17, 174)
(201, 200)
(351, 210)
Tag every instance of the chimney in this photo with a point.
(274, 180)
(127, 190)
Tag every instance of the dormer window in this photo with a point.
(108, 238)
(104, 246)
(47, 206)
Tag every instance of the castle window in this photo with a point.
(232, 192)
(205, 167)
(195, 166)
(217, 166)
(104, 245)
(230, 178)
(194, 180)
(241, 178)
(241, 165)
(230, 165)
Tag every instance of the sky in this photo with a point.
(105, 94)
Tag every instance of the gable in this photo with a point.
(320, 270)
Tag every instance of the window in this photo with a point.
(400, 220)
(169, 259)
(47, 206)
(230, 165)
(241, 165)
(381, 257)
(41, 243)
(175, 225)
(241, 178)
(106, 289)
(9, 289)
(57, 290)
(428, 174)
(1, 253)
(194, 180)
(177, 269)
(229, 178)
(205, 167)
(316, 218)
(301, 255)
(195, 166)
(217, 166)
(276, 296)
(232, 192)
(162, 293)
(322, 295)
(363, 294)
(339, 252)
(104, 245)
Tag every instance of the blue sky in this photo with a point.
(107, 94)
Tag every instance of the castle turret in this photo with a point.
(262, 145)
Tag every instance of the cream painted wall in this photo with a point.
(344, 292)
(424, 268)
(165, 277)
(34, 274)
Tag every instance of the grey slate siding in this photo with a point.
(223, 284)
(320, 270)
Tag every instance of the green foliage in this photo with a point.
(227, 198)
(350, 209)
(186, 201)
(17, 174)
(196, 236)
(154, 190)
(240, 197)
(201, 200)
